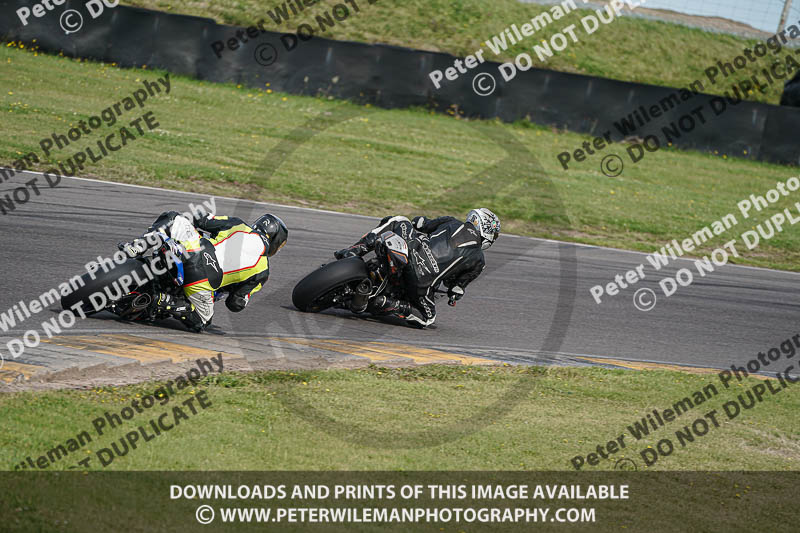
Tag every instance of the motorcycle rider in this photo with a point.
(441, 250)
(233, 257)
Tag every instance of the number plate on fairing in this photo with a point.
(398, 248)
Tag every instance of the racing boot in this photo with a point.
(180, 309)
(383, 305)
(170, 304)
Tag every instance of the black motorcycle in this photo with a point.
(129, 290)
(351, 283)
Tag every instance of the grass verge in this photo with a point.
(425, 418)
(624, 50)
(248, 143)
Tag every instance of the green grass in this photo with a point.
(446, 419)
(625, 49)
(258, 144)
(426, 418)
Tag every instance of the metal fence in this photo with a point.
(749, 18)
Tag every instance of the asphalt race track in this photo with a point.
(532, 305)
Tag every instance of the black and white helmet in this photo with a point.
(274, 230)
(487, 224)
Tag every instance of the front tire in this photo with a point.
(309, 294)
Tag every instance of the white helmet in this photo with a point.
(487, 223)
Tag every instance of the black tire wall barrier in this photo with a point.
(791, 92)
(391, 77)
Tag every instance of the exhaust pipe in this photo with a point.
(359, 302)
(141, 302)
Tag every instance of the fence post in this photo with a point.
(786, 7)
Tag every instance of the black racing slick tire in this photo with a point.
(309, 294)
(106, 286)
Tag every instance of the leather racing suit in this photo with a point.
(442, 250)
(243, 255)
(202, 274)
(233, 258)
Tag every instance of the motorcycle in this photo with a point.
(352, 282)
(130, 289)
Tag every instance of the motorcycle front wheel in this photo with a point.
(105, 288)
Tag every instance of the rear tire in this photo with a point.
(309, 292)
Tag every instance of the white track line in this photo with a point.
(505, 235)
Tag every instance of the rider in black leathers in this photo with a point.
(441, 250)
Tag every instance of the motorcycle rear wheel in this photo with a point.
(315, 292)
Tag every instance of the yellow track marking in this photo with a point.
(11, 371)
(639, 365)
(421, 355)
(325, 345)
(133, 347)
(384, 351)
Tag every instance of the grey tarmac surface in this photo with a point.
(723, 319)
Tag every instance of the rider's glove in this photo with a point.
(455, 293)
(354, 251)
(347, 252)
(418, 222)
(153, 239)
(369, 242)
(133, 249)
